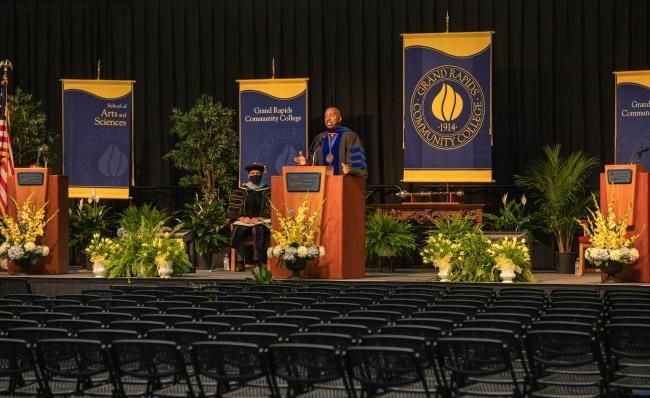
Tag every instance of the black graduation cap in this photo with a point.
(255, 166)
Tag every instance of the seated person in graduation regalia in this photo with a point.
(337, 146)
(249, 212)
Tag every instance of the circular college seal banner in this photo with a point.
(447, 107)
(447, 112)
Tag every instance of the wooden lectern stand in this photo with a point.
(343, 227)
(628, 185)
(53, 190)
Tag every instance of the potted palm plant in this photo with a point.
(387, 237)
(559, 190)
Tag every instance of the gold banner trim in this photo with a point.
(106, 89)
(641, 77)
(448, 175)
(279, 88)
(102, 193)
(455, 44)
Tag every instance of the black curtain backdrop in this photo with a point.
(552, 74)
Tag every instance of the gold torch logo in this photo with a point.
(447, 107)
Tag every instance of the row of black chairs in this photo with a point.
(555, 363)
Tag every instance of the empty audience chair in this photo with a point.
(140, 327)
(14, 286)
(167, 319)
(16, 363)
(106, 317)
(629, 356)
(258, 314)
(149, 368)
(323, 315)
(385, 369)
(565, 363)
(261, 339)
(222, 306)
(309, 367)
(232, 366)
(73, 325)
(197, 313)
(355, 331)
(106, 336)
(10, 323)
(373, 324)
(33, 335)
(42, 317)
(281, 329)
(338, 340)
(301, 321)
(212, 328)
(72, 367)
(472, 360)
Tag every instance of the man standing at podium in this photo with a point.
(249, 211)
(337, 146)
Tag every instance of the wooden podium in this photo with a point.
(343, 229)
(53, 190)
(628, 185)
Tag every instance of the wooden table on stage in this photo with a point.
(426, 213)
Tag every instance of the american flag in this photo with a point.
(6, 153)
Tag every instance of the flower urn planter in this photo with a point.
(296, 266)
(507, 276)
(443, 274)
(611, 268)
(99, 269)
(165, 270)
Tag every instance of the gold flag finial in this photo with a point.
(6, 65)
(99, 69)
(447, 22)
(273, 68)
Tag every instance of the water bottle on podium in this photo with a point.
(226, 263)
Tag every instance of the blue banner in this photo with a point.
(272, 124)
(447, 107)
(97, 132)
(633, 118)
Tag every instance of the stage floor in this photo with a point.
(77, 280)
(371, 276)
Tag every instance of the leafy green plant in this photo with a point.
(261, 276)
(30, 137)
(207, 147)
(460, 251)
(138, 251)
(86, 220)
(205, 217)
(511, 217)
(454, 228)
(145, 216)
(388, 237)
(474, 263)
(558, 186)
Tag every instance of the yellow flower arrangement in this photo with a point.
(167, 248)
(297, 235)
(23, 234)
(511, 257)
(100, 248)
(608, 236)
(438, 251)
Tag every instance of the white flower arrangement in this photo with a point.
(623, 255)
(293, 253)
